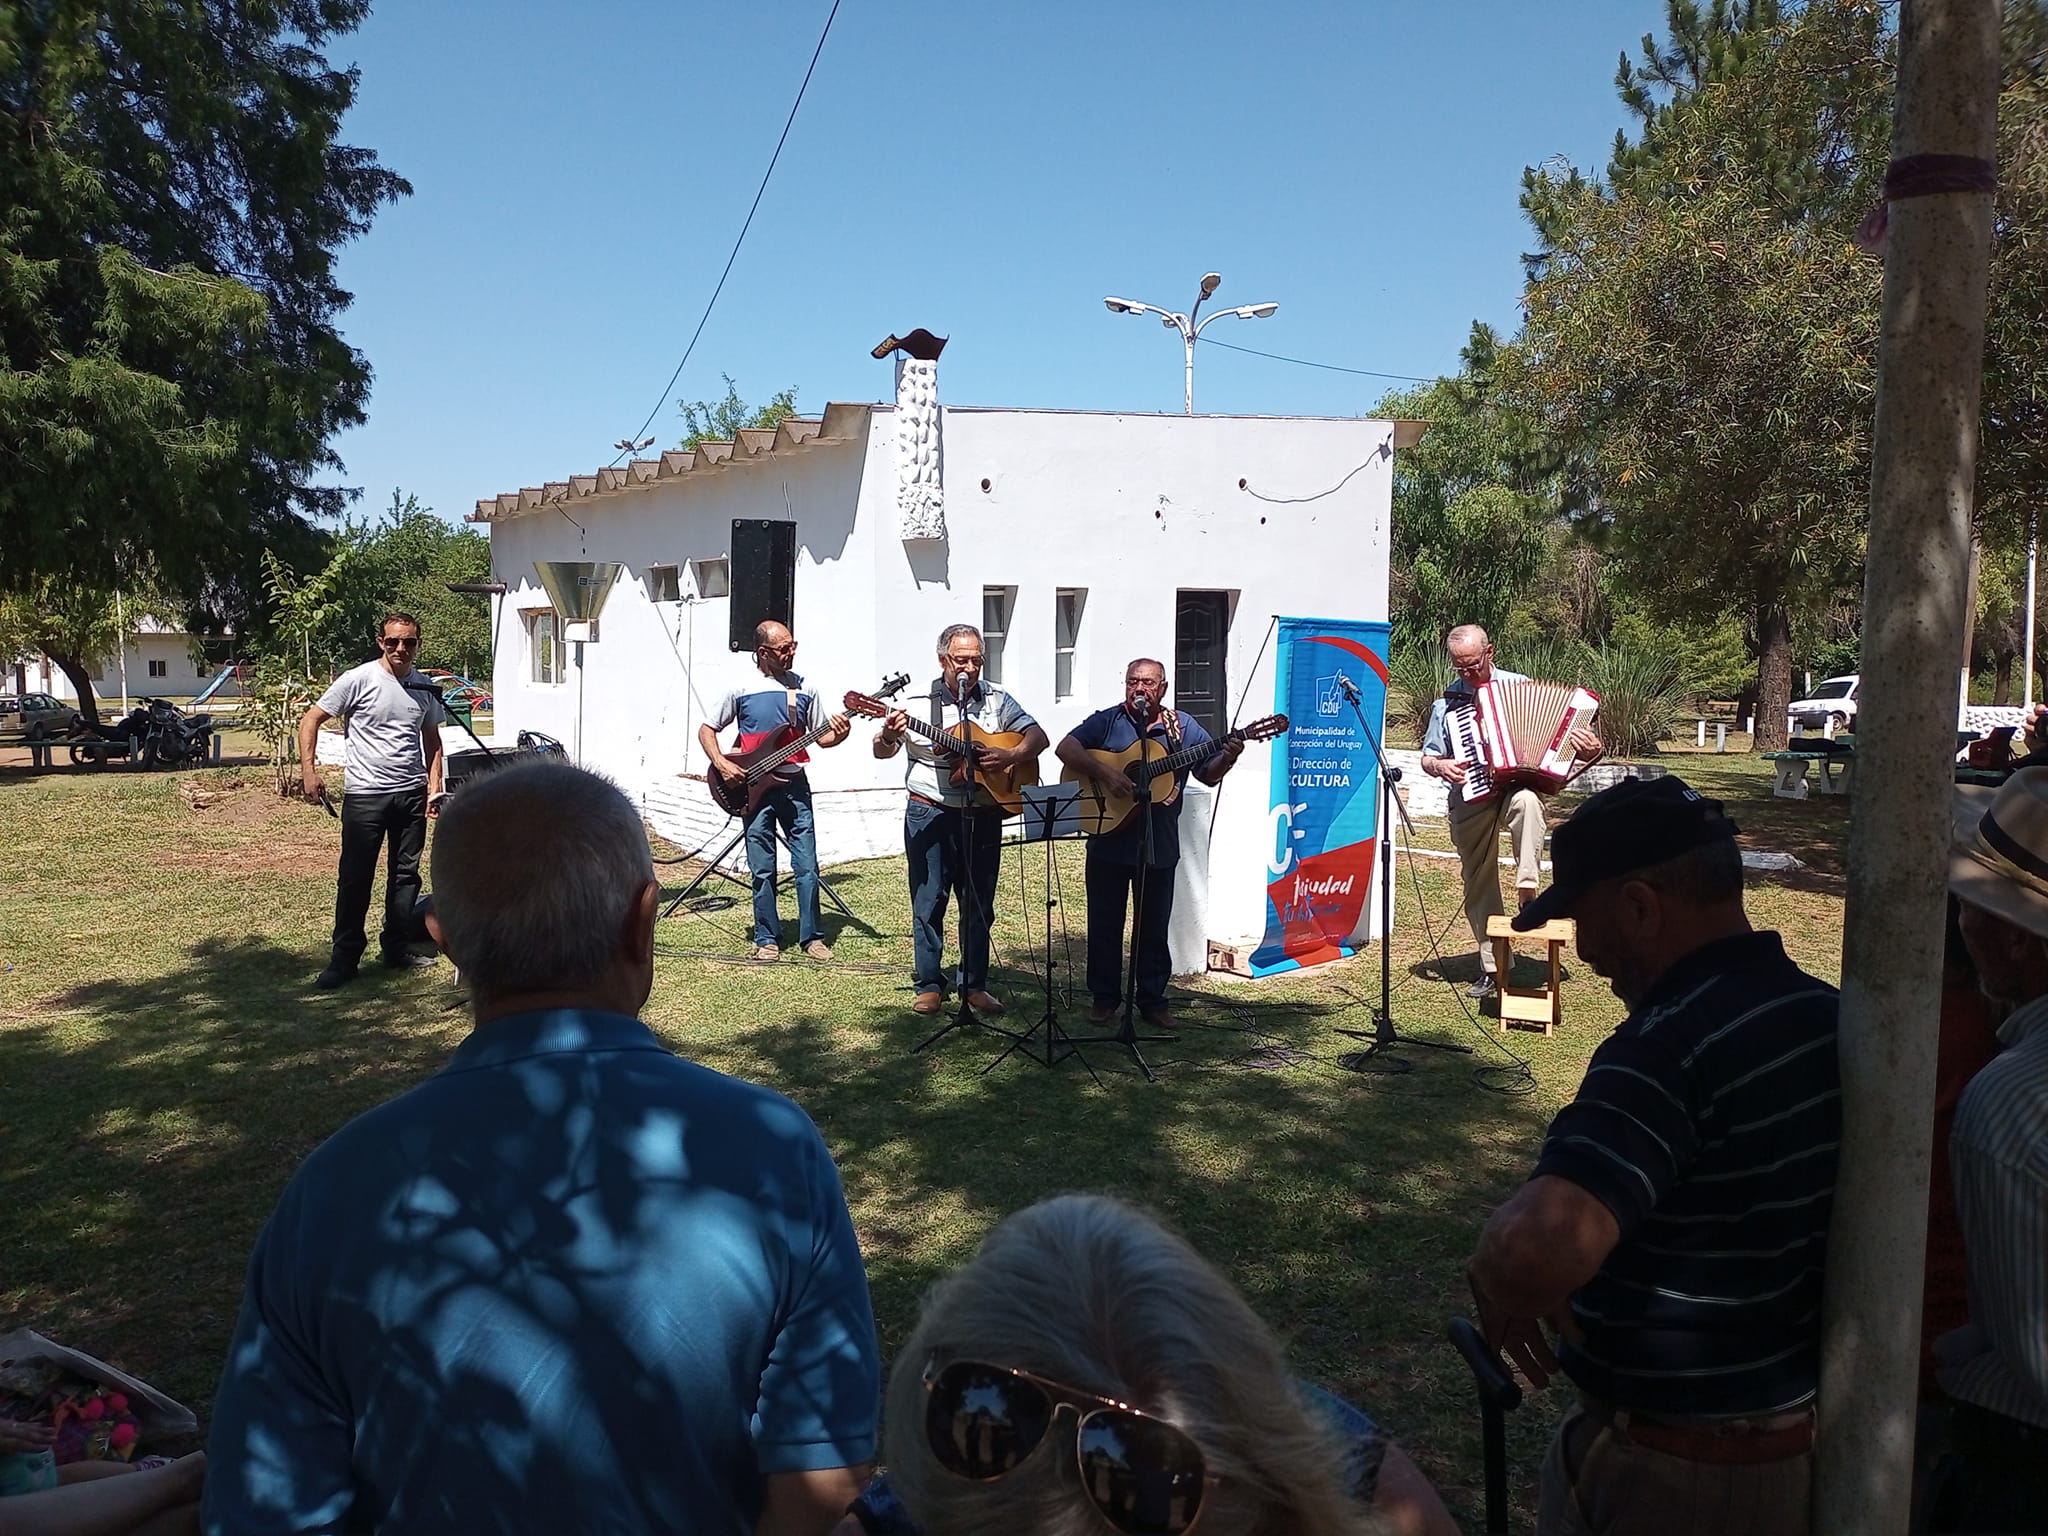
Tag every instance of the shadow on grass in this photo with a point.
(166, 1114)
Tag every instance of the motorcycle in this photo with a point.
(95, 744)
(174, 738)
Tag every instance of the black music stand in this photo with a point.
(1127, 1037)
(1052, 813)
(965, 1017)
(1383, 1036)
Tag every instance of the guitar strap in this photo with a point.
(1171, 718)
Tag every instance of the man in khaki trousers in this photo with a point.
(1476, 829)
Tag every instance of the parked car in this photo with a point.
(1834, 699)
(35, 717)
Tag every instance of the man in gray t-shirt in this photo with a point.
(392, 718)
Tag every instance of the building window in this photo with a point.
(544, 645)
(159, 668)
(712, 578)
(664, 584)
(997, 603)
(1201, 632)
(763, 578)
(1066, 635)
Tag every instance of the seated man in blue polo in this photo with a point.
(572, 1282)
(1118, 865)
(1675, 1227)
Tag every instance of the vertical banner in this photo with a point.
(1325, 798)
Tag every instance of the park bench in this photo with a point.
(1837, 770)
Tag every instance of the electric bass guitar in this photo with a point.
(761, 758)
(1140, 763)
(1002, 787)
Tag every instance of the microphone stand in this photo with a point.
(1383, 1036)
(1127, 1037)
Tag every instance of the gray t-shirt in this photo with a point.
(384, 718)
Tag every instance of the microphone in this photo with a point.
(1349, 687)
(1140, 706)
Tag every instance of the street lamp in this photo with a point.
(1187, 325)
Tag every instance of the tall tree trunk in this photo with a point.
(2001, 681)
(1773, 670)
(74, 667)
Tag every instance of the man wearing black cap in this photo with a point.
(1674, 1228)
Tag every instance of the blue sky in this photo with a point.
(988, 171)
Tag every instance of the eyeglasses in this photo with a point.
(964, 661)
(788, 649)
(1144, 1476)
(400, 643)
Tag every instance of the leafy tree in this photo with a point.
(409, 559)
(716, 421)
(73, 626)
(1702, 329)
(172, 194)
(1473, 504)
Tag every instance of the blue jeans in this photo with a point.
(935, 842)
(790, 805)
(1110, 888)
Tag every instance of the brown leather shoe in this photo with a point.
(927, 1002)
(1099, 1013)
(985, 1002)
(1159, 1018)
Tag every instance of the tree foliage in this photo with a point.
(1701, 327)
(717, 421)
(172, 195)
(1473, 506)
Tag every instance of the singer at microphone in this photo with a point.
(1119, 878)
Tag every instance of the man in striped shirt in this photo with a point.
(1674, 1229)
(1995, 1368)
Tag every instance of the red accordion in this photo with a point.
(1515, 735)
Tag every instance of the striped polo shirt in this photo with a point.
(1709, 1124)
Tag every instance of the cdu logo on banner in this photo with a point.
(1325, 793)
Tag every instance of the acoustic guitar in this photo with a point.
(1002, 787)
(760, 757)
(1141, 762)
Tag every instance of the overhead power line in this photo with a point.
(733, 256)
(1302, 362)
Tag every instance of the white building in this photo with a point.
(1075, 540)
(156, 659)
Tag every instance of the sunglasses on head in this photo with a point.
(398, 642)
(1143, 1475)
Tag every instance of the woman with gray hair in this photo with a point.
(1184, 1416)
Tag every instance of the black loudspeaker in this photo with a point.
(763, 577)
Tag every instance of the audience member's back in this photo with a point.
(570, 1282)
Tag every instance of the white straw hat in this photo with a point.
(2000, 862)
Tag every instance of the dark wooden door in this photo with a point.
(1201, 630)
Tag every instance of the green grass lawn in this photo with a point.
(168, 1066)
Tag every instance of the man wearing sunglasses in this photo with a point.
(769, 705)
(391, 717)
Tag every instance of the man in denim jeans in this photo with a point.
(392, 718)
(764, 708)
(951, 843)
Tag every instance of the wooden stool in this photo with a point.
(1533, 1008)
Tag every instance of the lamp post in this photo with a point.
(1190, 328)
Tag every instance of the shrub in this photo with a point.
(1640, 689)
(1417, 677)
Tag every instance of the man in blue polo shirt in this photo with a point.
(1117, 865)
(572, 1282)
(1675, 1227)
